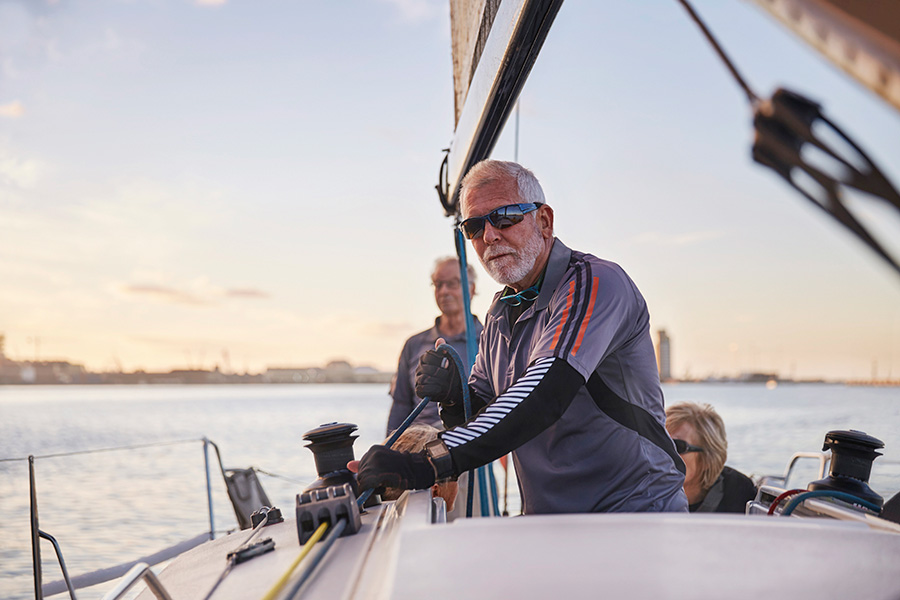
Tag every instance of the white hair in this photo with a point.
(470, 270)
(489, 171)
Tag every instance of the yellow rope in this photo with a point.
(270, 595)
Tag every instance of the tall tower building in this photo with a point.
(664, 355)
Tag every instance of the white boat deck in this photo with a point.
(399, 554)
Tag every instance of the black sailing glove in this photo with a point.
(381, 467)
(437, 378)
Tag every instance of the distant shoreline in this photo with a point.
(66, 373)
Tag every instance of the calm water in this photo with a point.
(106, 508)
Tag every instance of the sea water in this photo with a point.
(109, 507)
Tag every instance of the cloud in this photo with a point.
(246, 293)
(18, 172)
(12, 110)
(198, 293)
(416, 11)
(683, 239)
(210, 2)
(162, 293)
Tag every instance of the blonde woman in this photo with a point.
(699, 435)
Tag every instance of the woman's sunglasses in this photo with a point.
(501, 218)
(683, 447)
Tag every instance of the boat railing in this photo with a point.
(823, 458)
(70, 584)
(140, 571)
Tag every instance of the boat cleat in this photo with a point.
(269, 514)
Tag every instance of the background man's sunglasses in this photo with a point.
(682, 447)
(501, 218)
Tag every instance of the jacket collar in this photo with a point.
(557, 264)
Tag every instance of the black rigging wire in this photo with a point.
(751, 95)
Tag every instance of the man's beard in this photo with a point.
(517, 264)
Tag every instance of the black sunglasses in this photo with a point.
(501, 218)
(684, 448)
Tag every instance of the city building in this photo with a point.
(664, 355)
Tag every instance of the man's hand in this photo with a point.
(380, 468)
(437, 377)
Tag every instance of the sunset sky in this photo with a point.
(243, 184)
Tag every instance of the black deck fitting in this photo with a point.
(327, 505)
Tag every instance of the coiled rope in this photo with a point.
(796, 501)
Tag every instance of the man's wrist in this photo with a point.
(439, 456)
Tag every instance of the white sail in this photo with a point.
(470, 23)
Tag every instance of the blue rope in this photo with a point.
(471, 342)
(796, 500)
(464, 378)
(457, 361)
(494, 500)
(471, 353)
(407, 422)
(403, 426)
(483, 492)
(467, 406)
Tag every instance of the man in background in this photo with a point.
(450, 325)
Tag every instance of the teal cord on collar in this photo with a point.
(529, 295)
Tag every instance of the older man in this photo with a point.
(450, 325)
(566, 376)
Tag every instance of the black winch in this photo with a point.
(332, 447)
(852, 454)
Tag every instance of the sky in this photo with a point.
(243, 185)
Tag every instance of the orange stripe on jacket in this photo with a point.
(565, 314)
(587, 318)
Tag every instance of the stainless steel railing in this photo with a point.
(37, 534)
(138, 572)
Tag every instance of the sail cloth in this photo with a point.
(862, 37)
(495, 45)
(470, 24)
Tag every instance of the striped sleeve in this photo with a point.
(534, 402)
